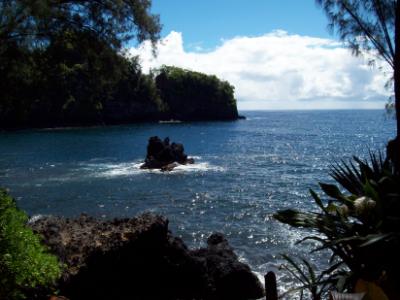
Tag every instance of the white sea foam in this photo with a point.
(113, 169)
(133, 168)
(198, 167)
(195, 157)
(35, 218)
(103, 169)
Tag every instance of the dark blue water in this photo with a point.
(244, 172)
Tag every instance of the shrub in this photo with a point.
(359, 223)
(24, 261)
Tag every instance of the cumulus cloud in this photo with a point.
(280, 70)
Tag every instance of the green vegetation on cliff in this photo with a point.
(60, 61)
(62, 64)
(192, 95)
(81, 81)
(76, 80)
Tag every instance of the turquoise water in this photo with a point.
(245, 171)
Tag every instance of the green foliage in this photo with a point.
(60, 62)
(360, 224)
(24, 262)
(61, 65)
(317, 285)
(194, 95)
(364, 24)
(76, 80)
(33, 23)
(79, 80)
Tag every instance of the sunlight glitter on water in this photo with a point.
(244, 172)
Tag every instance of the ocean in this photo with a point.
(244, 171)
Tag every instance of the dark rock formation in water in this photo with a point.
(164, 156)
(139, 258)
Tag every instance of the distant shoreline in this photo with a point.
(102, 125)
(311, 109)
(165, 121)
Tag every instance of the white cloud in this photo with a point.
(279, 71)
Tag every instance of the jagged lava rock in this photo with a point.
(231, 278)
(139, 258)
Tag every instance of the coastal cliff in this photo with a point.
(192, 95)
(139, 258)
(175, 94)
(124, 95)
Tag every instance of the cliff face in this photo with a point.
(181, 95)
(117, 112)
(128, 98)
(191, 95)
(139, 258)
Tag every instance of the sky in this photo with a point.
(278, 54)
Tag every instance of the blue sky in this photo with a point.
(207, 22)
(278, 54)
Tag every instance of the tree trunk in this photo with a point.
(396, 76)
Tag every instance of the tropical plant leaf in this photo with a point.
(311, 273)
(295, 218)
(376, 238)
(347, 177)
(330, 270)
(347, 226)
(377, 162)
(313, 238)
(318, 200)
(331, 190)
(302, 276)
(291, 291)
(307, 277)
(370, 191)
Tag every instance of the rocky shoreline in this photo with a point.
(139, 258)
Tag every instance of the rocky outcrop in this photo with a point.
(139, 258)
(164, 156)
(230, 278)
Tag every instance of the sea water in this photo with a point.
(244, 171)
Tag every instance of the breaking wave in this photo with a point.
(109, 170)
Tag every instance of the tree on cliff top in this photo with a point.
(190, 95)
(371, 25)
